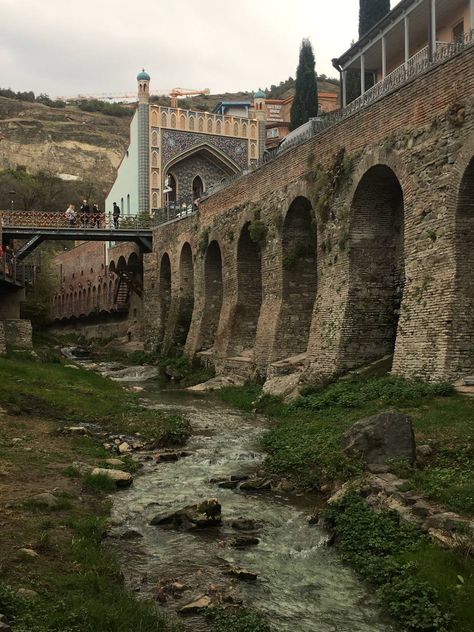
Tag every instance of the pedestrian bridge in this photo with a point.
(37, 227)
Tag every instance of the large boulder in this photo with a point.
(200, 516)
(380, 438)
(120, 478)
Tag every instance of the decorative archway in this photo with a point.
(198, 188)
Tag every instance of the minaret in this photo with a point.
(260, 115)
(143, 79)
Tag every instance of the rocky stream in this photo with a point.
(257, 548)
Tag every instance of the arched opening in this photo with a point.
(209, 125)
(376, 271)
(464, 289)
(213, 293)
(198, 188)
(165, 292)
(191, 123)
(128, 203)
(164, 120)
(186, 294)
(171, 181)
(299, 279)
(249, 292)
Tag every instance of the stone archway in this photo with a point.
(299, 279)
(213, 295)
(249, 293)
(376, 267)
(464, 285)
(186, 294)
(165, 293)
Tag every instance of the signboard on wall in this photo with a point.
(274, 114)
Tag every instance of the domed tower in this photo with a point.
(259, 99)
(143, 79)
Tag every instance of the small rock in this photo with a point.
(421, 509)
(4, 627)
(424, 451)
(107, 446)
(243, 541)
(287, 486)
(228, 484)
(167, 457)
(75, 430)
(124, 448)
(199, 604)
(244, 524)
(71, 366)
(177, 587)
(243, 574)
(256, 484)
(28, 552)
(162, 519)
(82, 468)
(27, 593)
(47, 499)
(17, 440)
(131, 534)
(314, 518)
(378, 468)
(120, 478)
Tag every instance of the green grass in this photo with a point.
(53, 391)
(305, 440)
(90, 598)
(422, 586)
(99, 483)
(243, 620)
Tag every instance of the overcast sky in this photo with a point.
(66, 47)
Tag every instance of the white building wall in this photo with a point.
(125, 188)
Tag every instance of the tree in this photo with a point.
(305, 101)
(371, 12)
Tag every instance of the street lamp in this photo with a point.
(11, 194)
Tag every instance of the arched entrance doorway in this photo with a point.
(198, 188)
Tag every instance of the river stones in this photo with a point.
(120, 478)
(167, 457)
(200, 516)
(256, 485)
(198, 605)
(114, 462)
(245, 524)
(242, 574)
(243, 541)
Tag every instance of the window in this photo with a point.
(154, 139)
(209, 125)
(164, 120)
(191, 123)
(128, 203)
(458, 32)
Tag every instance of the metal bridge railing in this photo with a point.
(57, 220)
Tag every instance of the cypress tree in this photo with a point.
(305, 101)
(371, 12)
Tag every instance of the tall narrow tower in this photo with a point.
(143, 79)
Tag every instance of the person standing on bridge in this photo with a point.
(71, 215)
(116, 215)
(95, 216)
(85, 212)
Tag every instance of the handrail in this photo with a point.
(16, 272)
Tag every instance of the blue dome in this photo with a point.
(143, 76)
(260, 94)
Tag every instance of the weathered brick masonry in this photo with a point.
(357, 244)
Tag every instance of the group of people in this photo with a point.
(90, 217)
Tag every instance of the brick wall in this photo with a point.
(383, 257)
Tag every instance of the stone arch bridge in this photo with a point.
(355, 245)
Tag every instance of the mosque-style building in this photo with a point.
(176, 154)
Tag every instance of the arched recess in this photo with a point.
(376, 267)
(464, 287)
(186, 294)
(213, 294)
(198, 187)
(165, 292)
(121, 264)
(299, 279)
(249, 292)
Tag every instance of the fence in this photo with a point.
(13, 271)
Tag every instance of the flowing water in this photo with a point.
(301, 586)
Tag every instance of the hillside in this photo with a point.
(61, 140)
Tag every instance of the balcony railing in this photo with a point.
(15, 272)
(415, 66)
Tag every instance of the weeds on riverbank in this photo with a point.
(243, 620)
(418, 582)
(305, 440)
